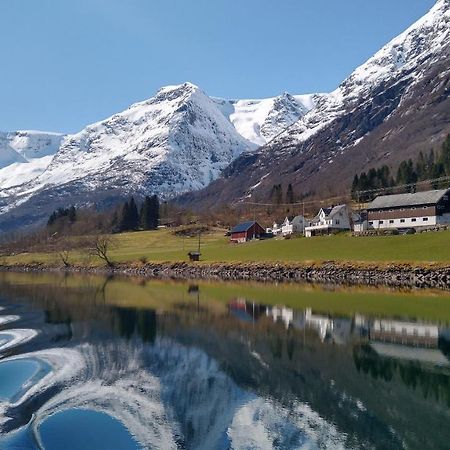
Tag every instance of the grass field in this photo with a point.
(163, 245)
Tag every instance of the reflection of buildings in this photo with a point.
(391, 338)
(406, 333)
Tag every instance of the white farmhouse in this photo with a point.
(329, 220)
(294, 225)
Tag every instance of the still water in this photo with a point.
(92, 363)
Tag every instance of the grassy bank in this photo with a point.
(164, 245)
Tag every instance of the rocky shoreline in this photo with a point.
(393, 275)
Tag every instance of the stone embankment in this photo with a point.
(394, 275)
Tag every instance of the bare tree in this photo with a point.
(64, 257)
(101, 246)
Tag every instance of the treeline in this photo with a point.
(428, 166)
(130, 218)
(126, 217)
(277, 195)
(68, 215)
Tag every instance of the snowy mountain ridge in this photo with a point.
(421, 41)
(388, 109)
(26, 154)
(177, 141)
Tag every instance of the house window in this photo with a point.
(425, 219)
(413, 220)
(402, 220)
(391, 221)
(381, 221)
(337, 221)
(371, 222)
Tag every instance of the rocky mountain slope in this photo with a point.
(388, 109)
(178, 141)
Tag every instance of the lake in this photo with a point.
(113, 363)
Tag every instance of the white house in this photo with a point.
(295, 225)
(329, 220)
(276, 229)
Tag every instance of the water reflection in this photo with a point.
(402, 339)
(168, 365)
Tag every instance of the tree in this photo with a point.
(145, 215)
(100, 247)
(290, 194)
(72, 214)
(133, 215)
(149, 217)
(277, 194)
(124, 222)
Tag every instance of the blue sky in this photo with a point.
(68, 63)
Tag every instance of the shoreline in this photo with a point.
(337, 273)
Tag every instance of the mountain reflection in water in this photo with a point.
(160, 365)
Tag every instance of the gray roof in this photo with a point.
(399, 200)
(243, 227)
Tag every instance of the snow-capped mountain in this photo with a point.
(261, 120)
(26, 154)
(177, 141)
(387, 110)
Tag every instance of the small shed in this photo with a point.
(194, 256)
(246, 231)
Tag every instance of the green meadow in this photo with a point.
(164, 245)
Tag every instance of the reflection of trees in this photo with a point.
(433, 384)
(128, 322)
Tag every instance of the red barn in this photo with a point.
(246, 231)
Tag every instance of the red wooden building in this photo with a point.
(246, 231)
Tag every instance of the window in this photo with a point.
(425, 219)
(337, 221)
(391, 221)
(371, 222)
(413, 220)
(381, 221)
(402, 220)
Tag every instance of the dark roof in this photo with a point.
(244, 226)
(399, 200)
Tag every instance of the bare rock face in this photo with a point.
(389, 109)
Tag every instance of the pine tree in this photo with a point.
(445, 156)
(133, 215)
(277, 194)
(72, 214)
(115, 226)
(145, 216)
(124, 223)
(154, 212)
(290, 194)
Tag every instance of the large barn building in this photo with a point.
(422, 209)
(246, 231)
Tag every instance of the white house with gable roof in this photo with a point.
(329, 220)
